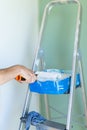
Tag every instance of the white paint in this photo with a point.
(18, 40)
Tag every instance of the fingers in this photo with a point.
(28, 78)
(31, 79)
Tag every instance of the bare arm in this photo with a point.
(10, 73)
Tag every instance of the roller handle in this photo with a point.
(20, 78)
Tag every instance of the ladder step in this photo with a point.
(51, 125)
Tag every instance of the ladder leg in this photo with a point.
(82, 87)
(26, 108)
(71, 100)
(46, 106)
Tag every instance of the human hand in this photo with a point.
(26, 75)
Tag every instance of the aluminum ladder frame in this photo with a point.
(76, 58)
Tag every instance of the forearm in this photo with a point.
(8, 74)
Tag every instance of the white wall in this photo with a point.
(18, 39)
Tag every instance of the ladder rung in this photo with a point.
(50, 125)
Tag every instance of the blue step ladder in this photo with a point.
(71, 81)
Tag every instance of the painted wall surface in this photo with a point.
(57, 43)
(18, 40)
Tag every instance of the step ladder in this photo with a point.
(76, 63)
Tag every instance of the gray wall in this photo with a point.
(18, 36)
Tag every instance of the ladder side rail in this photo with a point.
(26, 108)
(40, 38)
(72, 87)
(28, 96)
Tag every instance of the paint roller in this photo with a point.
(44, 76)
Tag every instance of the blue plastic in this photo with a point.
(54, 87)
(32, 118)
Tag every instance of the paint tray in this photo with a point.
(59, 85)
